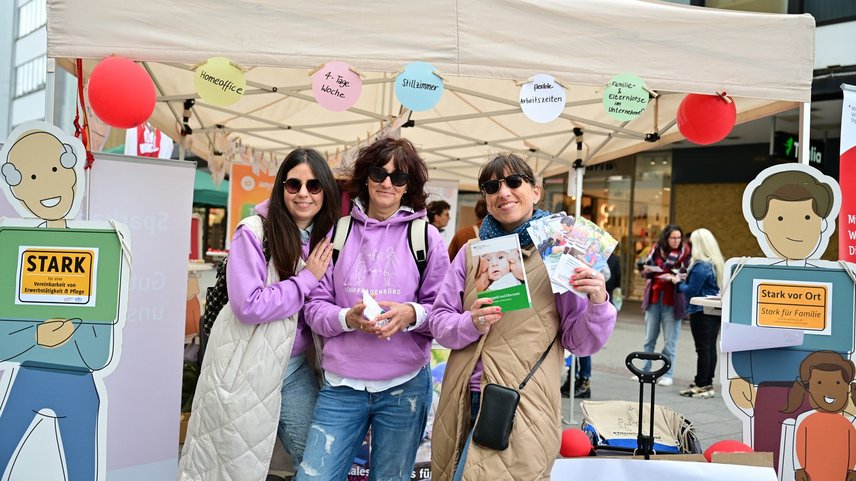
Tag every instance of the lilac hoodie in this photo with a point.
(584, 329)
(376, 257)
(251, 301)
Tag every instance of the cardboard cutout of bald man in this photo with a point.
(63, 300)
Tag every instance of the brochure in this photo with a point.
(500, 274)
(592, 245)
(565, 243)
(551, 235)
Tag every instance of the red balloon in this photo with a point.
(575, 443)
(706, 119)
(121, 93)
(727, 446)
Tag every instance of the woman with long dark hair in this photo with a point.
(662, 302)
(256, 382)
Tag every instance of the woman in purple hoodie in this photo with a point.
(376, 369)
(255, 370)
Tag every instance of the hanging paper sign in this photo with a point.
(418, 88)
(220, 82)
(625, 97)
(336, 87)
(542, 99)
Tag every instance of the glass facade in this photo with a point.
(31, 16)
(30, 76)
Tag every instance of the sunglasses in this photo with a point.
(293, 186)
(398, 178)
(513, 181)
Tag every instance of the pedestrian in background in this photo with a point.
(438, 214)
(469, 232)
(704, 279)
(662, 302)
(582, 369)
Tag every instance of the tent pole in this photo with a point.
(50, 89)
(580, 171)
(805, 132)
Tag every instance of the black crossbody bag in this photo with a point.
(498, 408)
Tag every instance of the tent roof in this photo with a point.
(765, 61)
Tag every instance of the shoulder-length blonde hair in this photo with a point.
(705, 248)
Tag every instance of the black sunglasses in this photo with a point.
(398, 178)
(293, 186)
(513, 181)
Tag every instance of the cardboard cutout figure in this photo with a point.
(63, 299)
(791, 209)
(825, 439)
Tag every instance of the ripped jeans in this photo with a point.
(397, 417)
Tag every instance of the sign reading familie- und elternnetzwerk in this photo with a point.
(56, 276)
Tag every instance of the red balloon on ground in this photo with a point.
(121, 93)
(726, 446)
(706, 119)
(575, 443)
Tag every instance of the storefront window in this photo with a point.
(651, 209)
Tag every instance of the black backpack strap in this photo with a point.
(265, 241)
(418, 242)
(340, 234)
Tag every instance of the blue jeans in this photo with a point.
(73, 397)
(397, 417)
(659, 316)
(583, 367)
(299, 393)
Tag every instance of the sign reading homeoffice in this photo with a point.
(56, 276)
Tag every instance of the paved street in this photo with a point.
(611, 380)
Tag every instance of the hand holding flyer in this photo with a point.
(499, 272)
(566, 243)
(373, 309)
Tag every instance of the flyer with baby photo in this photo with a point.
(500, 274)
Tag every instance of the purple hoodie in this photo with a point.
(377, 257)
(584, 329)
(251, 301)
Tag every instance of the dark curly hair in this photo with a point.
(404, 157)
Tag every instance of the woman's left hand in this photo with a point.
(397, 318)
(586, 280)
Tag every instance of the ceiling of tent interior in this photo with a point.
(478, 115)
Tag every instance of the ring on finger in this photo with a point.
(481, 320)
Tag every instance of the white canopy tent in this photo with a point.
(481, 47)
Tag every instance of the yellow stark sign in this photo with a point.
(64, 276)
(792, 305)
